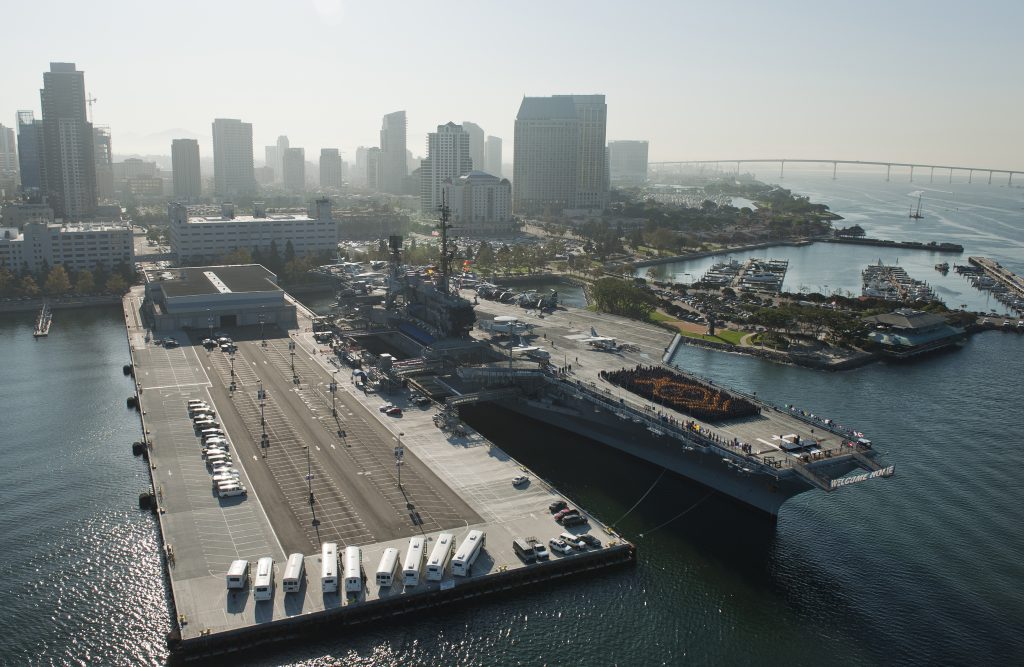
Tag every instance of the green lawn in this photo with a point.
(724, 336)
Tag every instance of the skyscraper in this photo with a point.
(103, 156)
(271, 161)
(447, 158)
(373, 168)
(330, 168)
(282, 146)
(627, 162)
(393, 168)
(293, 169)
(30, 153)
(185, 169)
(233, 172)
(492, 156)
(559, 154)
(69, 168)
(8, 151)
(476, 144)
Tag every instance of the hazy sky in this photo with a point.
(933, 82)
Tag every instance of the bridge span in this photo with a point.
(835, 167)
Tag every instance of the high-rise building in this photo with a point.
(30, 153)
(8, 151)
(393, 167)
(359, 174)
(480, 203)
(447, 158)
(492, 156)
(627, 162)
(233, 172)
(293, 169)
(69, 169)
(559, 158)
(330, 168)
(476, 144)
(271, 162)
(373, 168)
(103, 155)
(185, 170)
(282, 146)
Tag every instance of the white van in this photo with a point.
(329, 568)
(238, 574)
(353, 569)
(388, 568)
(263, 582)
(232, 491)
(294, 573)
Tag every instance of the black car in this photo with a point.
(590, 540)
(574, 520)
(558, 506)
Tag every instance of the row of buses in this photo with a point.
(389, 571)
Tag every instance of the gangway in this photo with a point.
(480, 396)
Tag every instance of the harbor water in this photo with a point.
(923, 568)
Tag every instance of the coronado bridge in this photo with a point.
(943, 169)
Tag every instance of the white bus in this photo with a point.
(294, 573)
(263, 584)
(467, 553)
(238, 574)
(388, 567)
(413, 563)
(353, 569)
(439, 557)
(329, 568)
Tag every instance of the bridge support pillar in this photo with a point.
(888, 168)
(931, 176)
(782, 169)
(835, 165)
(951, 174)
(1010, 182)
(911, 173)
(990, 178)
(737, 168)
(970, 177)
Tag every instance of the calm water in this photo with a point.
(986, 220)
(924, 568)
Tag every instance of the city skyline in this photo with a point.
(897, 83)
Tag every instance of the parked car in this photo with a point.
(557, 506)
(561, 514)
(394, 411)
(520, 480)
(387, 406)
(591, 540)
(573, 541)
(574, 520)
(540, 551)
(560, 546)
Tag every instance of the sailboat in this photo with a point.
(916, 215)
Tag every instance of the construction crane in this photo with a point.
(90, 100)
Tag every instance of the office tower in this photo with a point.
(233, 172)
(8, 152)
(627, 162)
(103, 155)
(293, 169)
(282, 146)
(30, 153)
(373, 168)
(270, 161)
(447, 158)
(476, 144)
(330, 168)
(393, 167)
(492, 156)
(359, 174)
(185, 170)
(559, 154)
(480, 204)
(69, 168)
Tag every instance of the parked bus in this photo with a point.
(263, 584)
(353, 569)
(524, 550)
(413, 563)
(388, 568)
(440, 556)
(468, 552)
(329, 568)
(294, 573)
(238, 574)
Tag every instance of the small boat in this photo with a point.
(916, 215)
(43, 322)
(942, 267)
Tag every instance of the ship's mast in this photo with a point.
(445, 258)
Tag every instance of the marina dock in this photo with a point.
(1008, 280)
(327, 474)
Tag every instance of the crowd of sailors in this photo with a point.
(681, 393)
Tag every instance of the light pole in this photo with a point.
(309, 475)
(262, 319)
(232, 370)
(334, 393)
(264, 438)
(209, 321)
(399, 459)
(291, 349)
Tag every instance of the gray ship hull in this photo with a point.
(763, 491)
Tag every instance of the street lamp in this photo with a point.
(309, 475)
(399, 459)
(232, 370)
(334, 393)
(264, 438)
(262, 319)
(291, 348)
(209, 321)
